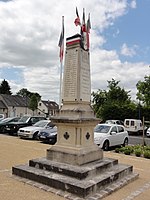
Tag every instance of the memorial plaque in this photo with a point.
(85, 87)
(70, 75)
(76, 84)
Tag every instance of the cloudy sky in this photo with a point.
(29, 35)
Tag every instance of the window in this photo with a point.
(132, 123)
(140, 124)
(34, 120)
(114, 129)
(120, 129)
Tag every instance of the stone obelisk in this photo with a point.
(75, 120)
(75, 166)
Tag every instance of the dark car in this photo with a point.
(6, 121)
(48, 135)
(13, 127)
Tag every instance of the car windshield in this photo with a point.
(24, 119)
(41, 123)
(6, 119)
(102, 129)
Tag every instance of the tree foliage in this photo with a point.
(33, 103)
(143, 93)
(111, 103)
(34, 98)
(26, 93)
(116, 93)
(5, 88)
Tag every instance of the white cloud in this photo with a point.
(128, 51)
(29, 41)
(133, 4)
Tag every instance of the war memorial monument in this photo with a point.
(75, 167)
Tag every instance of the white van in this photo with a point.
(134, 126)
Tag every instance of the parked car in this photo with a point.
(6, 121)
(48, 135)
(148, 132)
(13, 127)
(108, 135)
(134, 126)
(31, 132)
(2, 116)
(112, 121)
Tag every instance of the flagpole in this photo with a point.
(60, 87)
(61, 45)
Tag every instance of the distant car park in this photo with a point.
(31, 132)
(13, 127)
(109, 135)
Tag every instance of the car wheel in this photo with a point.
(125, 142)
(35, 136)
(2, 130)
(106, 145)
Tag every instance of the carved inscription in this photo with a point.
(85, 88)
(77, 83)
(70, 75)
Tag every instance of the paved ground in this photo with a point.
(15, 151)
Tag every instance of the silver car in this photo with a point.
(32, 131)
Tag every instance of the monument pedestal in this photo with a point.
(75, 120)
(75, 140)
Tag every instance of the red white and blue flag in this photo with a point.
(61, 41)
(85, 29)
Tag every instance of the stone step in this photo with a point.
(79, 172)
(81, 188)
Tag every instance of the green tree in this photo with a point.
(5, 88)
(33, 103)
(116, 93)
(143, 93)
(111, 104)
(99, 99)
(24, 93)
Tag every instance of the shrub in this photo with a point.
(122, 149)
(138, 146)
(128, 150)
(147, 148)
(147, 154)
(117, 150)
(138, 152)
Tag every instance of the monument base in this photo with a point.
(94, 179)
(74, 156)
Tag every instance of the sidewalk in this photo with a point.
(15, 151)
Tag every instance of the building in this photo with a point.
(15, 105)
(49, 108)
